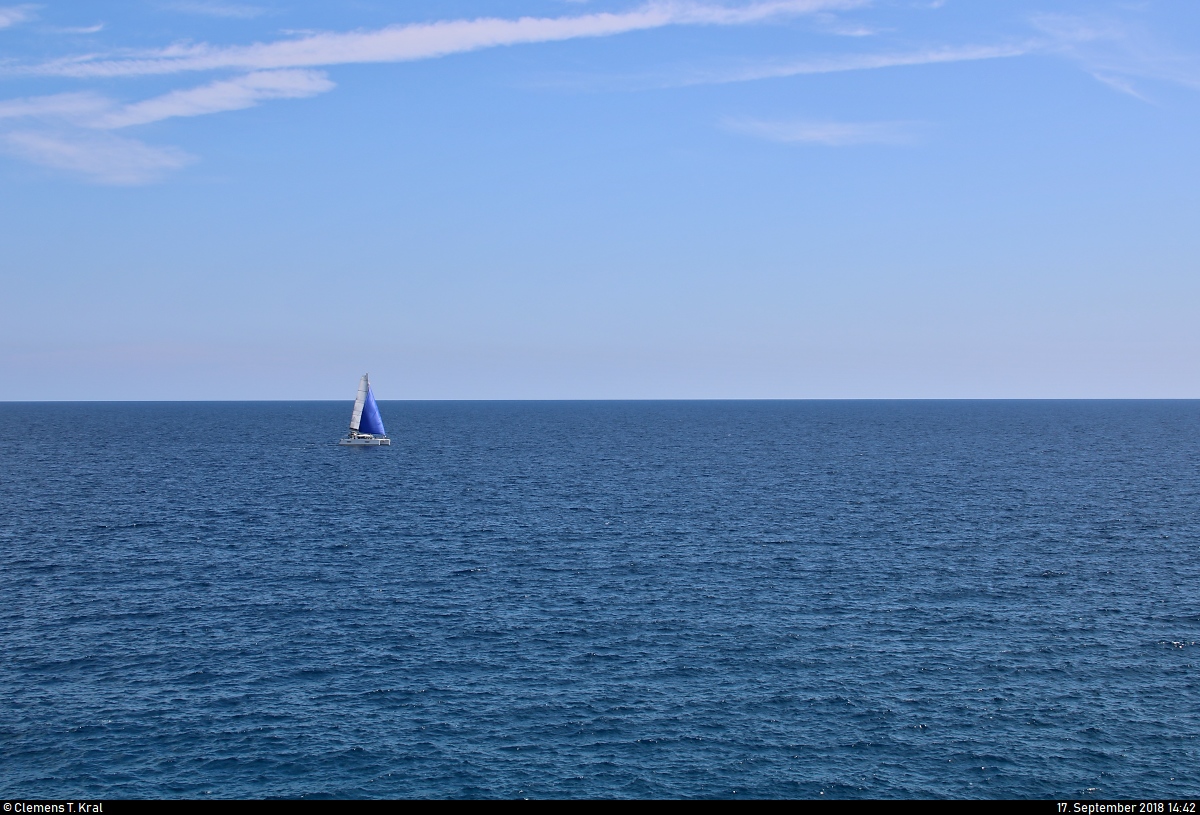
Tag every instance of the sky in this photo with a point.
(203, 199)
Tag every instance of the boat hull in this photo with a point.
(365, 442)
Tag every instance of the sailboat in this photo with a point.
(366, 425)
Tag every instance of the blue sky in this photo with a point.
(777, 199)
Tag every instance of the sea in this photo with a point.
(643, 599)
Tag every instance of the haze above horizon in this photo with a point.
(593, 200)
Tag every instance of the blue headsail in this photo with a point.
(371, 421)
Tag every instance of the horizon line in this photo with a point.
(634, 399)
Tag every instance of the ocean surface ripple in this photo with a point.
(614, 599)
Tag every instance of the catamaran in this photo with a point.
(366, 425)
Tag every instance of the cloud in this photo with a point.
(71, 142)
(235, 11)
(779, 69)
(1120, 85)
(833, 24)
(853, 31)
(11, 15)
(80, 29)
(100, 157)
(231, 94)
(283, 70)
(403, 43)
(71, 107)
(858, 62)
(1114, 51)
(93, 111)
(828, 134)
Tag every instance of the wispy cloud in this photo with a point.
(80, 29)
(284, 69)
(782, 68)
(853, 31)
(833, 24)
(403, 43)
(11, 15)
(216, 97)
(235, 11)
(69, 127)
(1121, 85)
(1116, 51)
(67, 138)
(854, 62)
(100, 157)
(825, 133)
(96, 112)
(75, 108)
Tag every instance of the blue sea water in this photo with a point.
(617, 599)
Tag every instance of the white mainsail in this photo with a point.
(356, 416)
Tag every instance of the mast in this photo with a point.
(359, 401)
